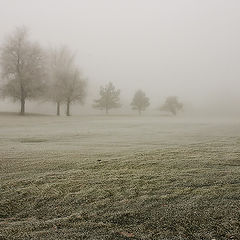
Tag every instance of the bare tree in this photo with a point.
(140, 101)
(23, 68)
(74, 89)
(172, 105)
(109, 98)
(60, 64)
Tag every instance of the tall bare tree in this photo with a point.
(23, 68)
(109, 98)
(140, 101)
(60, 64)
(74, 88)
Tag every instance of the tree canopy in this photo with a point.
(23, 68)
(172, 105)
(65, 84)
(109, 98)
(74, 88)
(140, 101)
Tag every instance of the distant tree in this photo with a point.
(172, 105)
(60, 64)
(74, 89)
(140, 102)
(23, 68)
(109, 98)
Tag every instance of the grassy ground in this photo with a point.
(119, 178)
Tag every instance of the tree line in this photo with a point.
(28, 72)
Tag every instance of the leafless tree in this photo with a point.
(22, 68)
(60, 64)
(74, 88)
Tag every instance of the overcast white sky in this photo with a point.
(188, 48)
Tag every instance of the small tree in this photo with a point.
(140, 102)
(74, 89)
(172, 105)
(109, 98)
(23, 68)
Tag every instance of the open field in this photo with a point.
(119, 177)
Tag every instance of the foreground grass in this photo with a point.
(188, 192)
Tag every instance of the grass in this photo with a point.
(119, 178)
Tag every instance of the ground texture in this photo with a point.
(119, 178)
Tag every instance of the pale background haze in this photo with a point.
(188, 48)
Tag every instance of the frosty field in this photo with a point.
(119, 177)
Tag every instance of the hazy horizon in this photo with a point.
(159, 159)
(185, 48)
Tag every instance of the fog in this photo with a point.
(187, 48)
(132, 119)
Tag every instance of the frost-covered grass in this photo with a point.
(119, 178)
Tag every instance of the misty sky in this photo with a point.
(188, 48)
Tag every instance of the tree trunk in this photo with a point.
(106, 111)
(139, 112)
(22, 111)
(68, 108)
(58, 108)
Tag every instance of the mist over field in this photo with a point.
(119, 120)
(188, 49)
